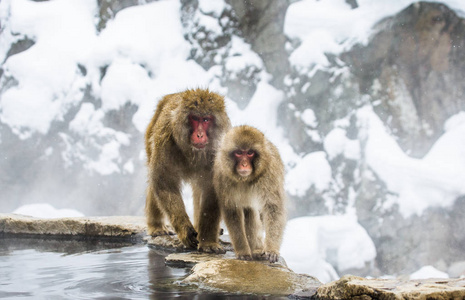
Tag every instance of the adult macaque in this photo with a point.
(180, 142)
(249, 181)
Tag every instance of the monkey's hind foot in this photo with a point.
(245, 257)
(160, 230)
(211, 248)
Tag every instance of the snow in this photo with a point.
(331, 26)
(312, 170)
(124, 82)
(337, 143)
(51, 83)
(87, 120)
(211, 24)
(150, 35)
(435, 180)
(309, 118)
(428, 272)
(266, 120)
(140, 39)
(44, 210)
(318, 245)
(241, 56)
(46, 76)
(89, 127)
(108, 160)
(213, 7)
(129, 166)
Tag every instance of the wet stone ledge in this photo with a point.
(224, 272)
(119, 228)
(227, 274)
(353, 287)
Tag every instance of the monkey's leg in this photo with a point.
(168, 191)
(275, 221)
(155, 218)
(234, 219)
(196, 194)
(209, 221)
(253, 227)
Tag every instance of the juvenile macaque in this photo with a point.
(249, 181)
(180, 142)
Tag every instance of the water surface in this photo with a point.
(50, 269)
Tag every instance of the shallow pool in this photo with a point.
(49, 269)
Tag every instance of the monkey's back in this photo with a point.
(159, 129)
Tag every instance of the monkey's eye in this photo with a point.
(238, 153)
(206, 120)
(194, 118)
(250, 153)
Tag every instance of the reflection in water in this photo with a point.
(46, 269)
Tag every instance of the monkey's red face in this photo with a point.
(244, 160)
(200, 126)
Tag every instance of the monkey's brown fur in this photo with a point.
(172, 159)
(249, 202)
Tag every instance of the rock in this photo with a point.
(353, 287)
(182, 260)
(165, 241)
(173, 244)
(226, 273)
(67, 246)
(248, 277)
(415, 65)
(109, 8)
(121, 227)
(262, 25)
(410, 71)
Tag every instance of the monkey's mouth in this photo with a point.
(244, 172)
(199, 146)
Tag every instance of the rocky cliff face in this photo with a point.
(413, 65)
(410, 72)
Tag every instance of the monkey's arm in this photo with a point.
(209, 218)
(234, 219)
(167, 188)
(275, 221)
(253, 226)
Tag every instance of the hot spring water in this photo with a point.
(50, 269)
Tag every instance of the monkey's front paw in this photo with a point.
(189, 237)
(211, 248)
(271, 256)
